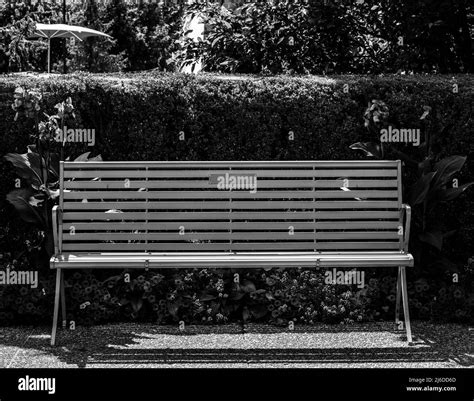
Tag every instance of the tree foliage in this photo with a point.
(265, 36)
(303, 36)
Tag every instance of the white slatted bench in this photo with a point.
(182, 215)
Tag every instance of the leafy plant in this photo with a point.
(39, 166)
(434, 186)
(272, 37)
(17, 21)
(319, 37)
(145, 36)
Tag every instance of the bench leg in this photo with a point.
(399, 293)
(406, 312)
(56, 306)
(63, 302)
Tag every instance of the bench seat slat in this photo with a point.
(124, 174)
(215, 194)
(291, 216)
(227, 236)
(102, 247)
(202, 225)
(199, 260)
(190, 247)
(196, 184)
(233, 164)
(214, 205)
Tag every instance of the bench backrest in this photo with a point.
(297, 206)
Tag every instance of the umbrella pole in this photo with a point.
(49, 55)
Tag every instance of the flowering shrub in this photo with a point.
(209, 296)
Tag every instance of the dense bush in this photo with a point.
(302, 36)
(144, 36)
(207, 296)
(140, 117)
(18, 19)
(274, 37)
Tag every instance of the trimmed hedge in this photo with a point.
(139, 116)
(142, 116)
(241, 117)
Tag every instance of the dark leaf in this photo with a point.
(40, 169)
(113, 278)
(207, 297)
(23, 168)
(20, 199)
(248, 286)
(54, 166)
(448, 194)
(137, 303)
(236, 295)
(445, 169)
(49, 243)
(371, 149)
(449, 234)
(424, 167)
(405, 158)
(434, 238)
(421, 188)
(173, 309)
(258, 311)
(245, 314)
(445, 264)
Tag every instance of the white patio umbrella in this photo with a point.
(50, 31)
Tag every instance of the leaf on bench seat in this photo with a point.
(347, 189)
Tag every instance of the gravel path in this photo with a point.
(375, 345)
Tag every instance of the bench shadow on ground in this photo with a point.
(140, 345)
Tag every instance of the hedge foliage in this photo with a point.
(144, 116)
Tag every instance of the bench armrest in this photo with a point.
(406, 232)
(54, 219)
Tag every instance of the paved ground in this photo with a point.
(140, 345)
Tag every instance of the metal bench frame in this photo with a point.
(320, 216)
